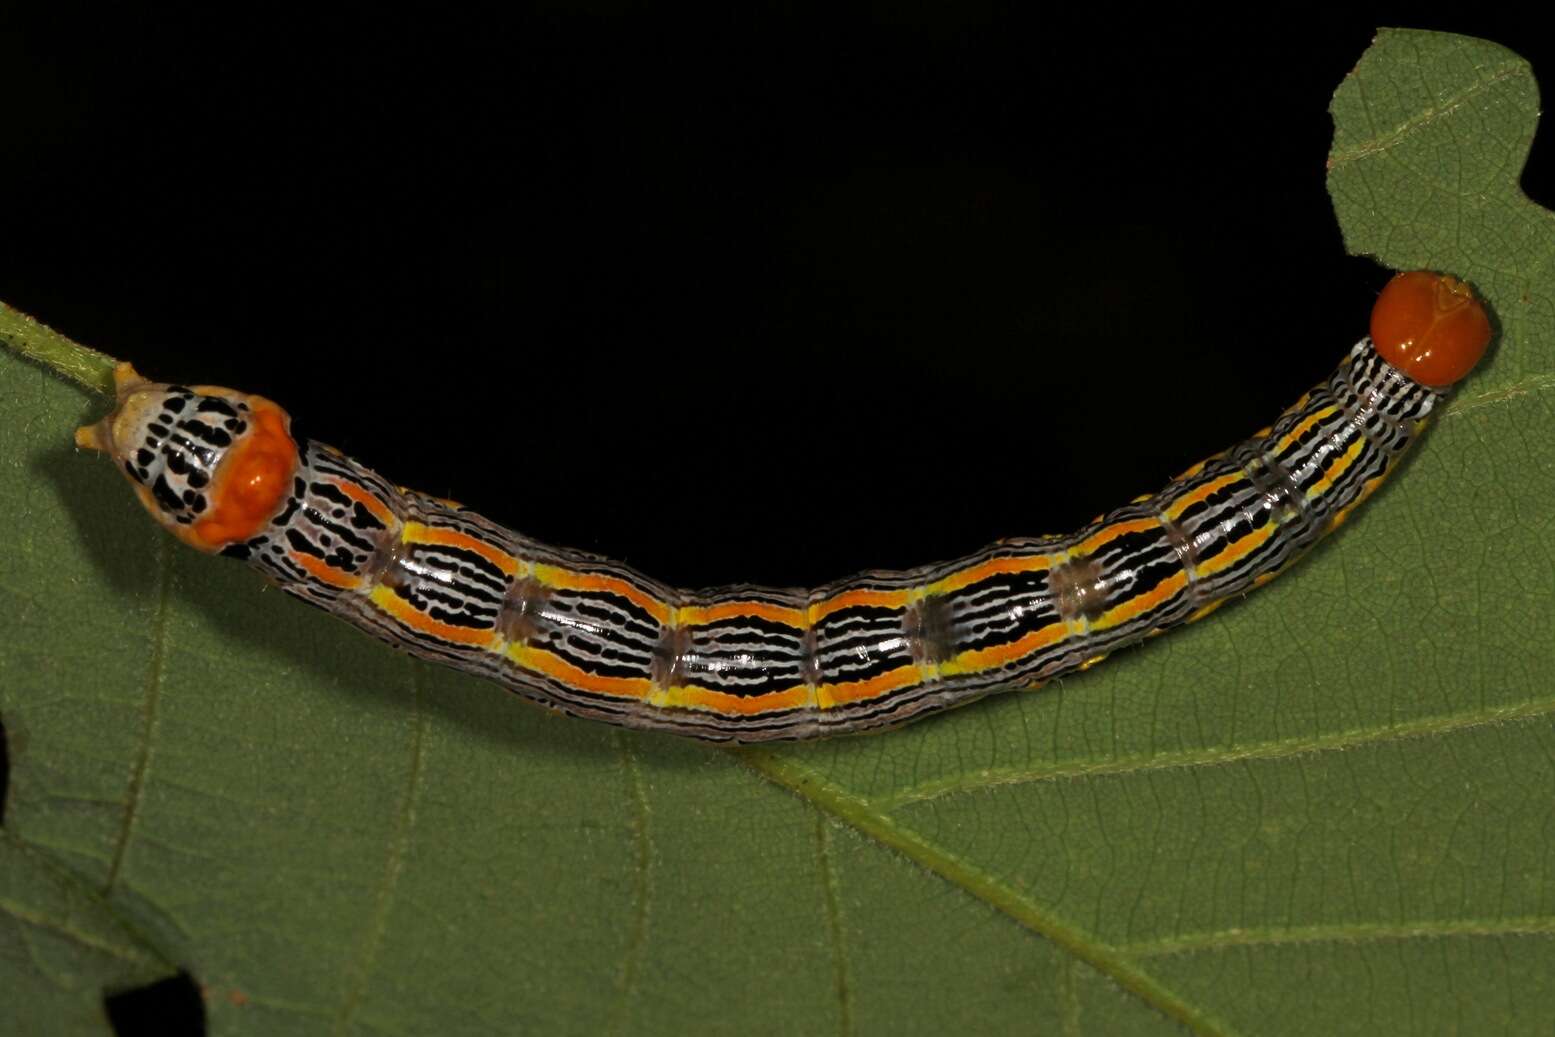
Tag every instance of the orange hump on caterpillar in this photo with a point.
(1430, 327)
(212, 465)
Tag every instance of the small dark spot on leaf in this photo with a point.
(171, 1006)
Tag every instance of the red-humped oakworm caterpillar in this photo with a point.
(222, 471)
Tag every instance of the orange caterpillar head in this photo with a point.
(1430, 327)
(211, 465)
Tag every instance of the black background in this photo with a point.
(756, 296)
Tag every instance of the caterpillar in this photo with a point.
(223, 472)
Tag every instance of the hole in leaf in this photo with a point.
(168, 1008)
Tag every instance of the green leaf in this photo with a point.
(61, 946)
(1324, 810)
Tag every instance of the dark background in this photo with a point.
(752, 297)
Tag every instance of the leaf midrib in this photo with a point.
(863, 816)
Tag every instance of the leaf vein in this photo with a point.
(867, 818)
(637, 938)
(1346, 933)
(1426, 727)
(830, 888)
(399, 844)
(1384, 141)
(156, 671)
(1522, 387)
